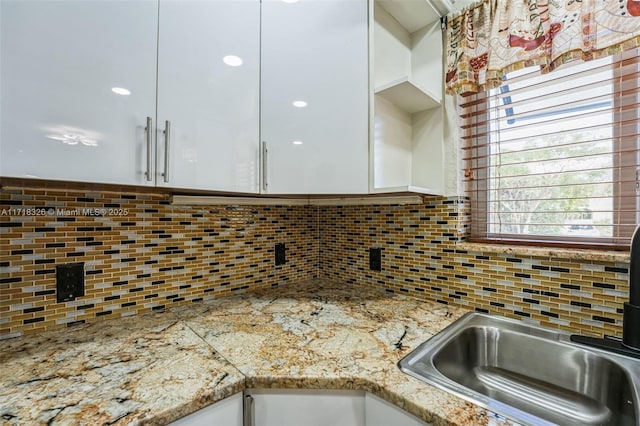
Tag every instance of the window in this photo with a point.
(553, 158)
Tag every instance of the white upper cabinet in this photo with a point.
(208, 93)
(314, 103)
(62, 64)
(79, 82)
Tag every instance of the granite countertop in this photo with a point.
(150, 369)
(156, 368)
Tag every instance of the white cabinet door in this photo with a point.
(208, 90)
(61, 61)
(314, 103)
(303, 407)
(227, 412)
(379, 412)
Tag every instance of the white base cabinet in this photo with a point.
(319, 407)
(306, 407)
(301, 407)
(227, 412)
(379, 412)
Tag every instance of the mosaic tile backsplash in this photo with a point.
(420, 258)
(141, 253)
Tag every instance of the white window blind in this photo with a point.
(553, 158)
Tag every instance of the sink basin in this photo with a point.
(530, 374)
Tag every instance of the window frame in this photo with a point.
(477, 165)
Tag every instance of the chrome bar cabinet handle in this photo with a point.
(148, 131)
(265, 152)
(247, 411)
(167, 142)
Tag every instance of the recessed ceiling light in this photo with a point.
(299, 104)
(121, 91)
(232, 60)
(297, 142)
(290, 1)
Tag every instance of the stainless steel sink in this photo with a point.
(530, 374)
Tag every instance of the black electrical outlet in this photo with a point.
(69, 281)
(281, 256)
(375, 259)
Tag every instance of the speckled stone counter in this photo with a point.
(149, 369)
(156, 368)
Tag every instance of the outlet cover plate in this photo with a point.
(281, 254)
(69, 281)
(375, 259)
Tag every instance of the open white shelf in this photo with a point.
(408, 188)
(408, 95)
(407, 133)
(415, 14)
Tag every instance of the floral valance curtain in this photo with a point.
(494, 37)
